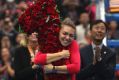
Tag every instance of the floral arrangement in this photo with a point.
(42, 17)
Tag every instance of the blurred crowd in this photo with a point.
(82, 12)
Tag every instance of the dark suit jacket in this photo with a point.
(22, 66)
(103, 70)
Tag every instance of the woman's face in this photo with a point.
(5, 42)
(33, 40)
(20, 37)
(66, 35)
(5, 54)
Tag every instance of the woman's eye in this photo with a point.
(65, 33)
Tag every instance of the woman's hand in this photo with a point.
(65, 53)
(35, 66)
(48, 68)
(3, 68)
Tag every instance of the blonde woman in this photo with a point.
(25, 69)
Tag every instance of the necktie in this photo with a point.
(97, 53)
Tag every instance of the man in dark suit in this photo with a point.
(98, 61)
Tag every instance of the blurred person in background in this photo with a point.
(25, 69)
(8, 29)
(91, 8)
(83, 28)
(6, 65)
(5, 43)
(113, 32)
(10, 9)
(70, 9)
(21, 7)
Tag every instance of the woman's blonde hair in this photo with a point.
(24, 41)
(69, 22)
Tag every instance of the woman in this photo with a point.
(25, 69)
(6, 67)
(5, 43)
(64, 64)
(67, 59)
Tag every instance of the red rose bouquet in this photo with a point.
(42, 17)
